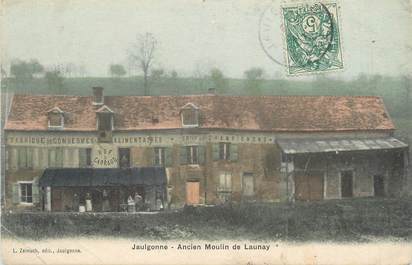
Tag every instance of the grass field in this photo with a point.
(338, 220)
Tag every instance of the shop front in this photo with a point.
(103, 189)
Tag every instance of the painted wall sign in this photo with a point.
(105, 156)
(50, 140)
(138, 139)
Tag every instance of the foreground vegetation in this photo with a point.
(338, 220)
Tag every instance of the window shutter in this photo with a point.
(215, 149)
(82, 157)
(201, 152)
(183, 155)
(168, 156)
(229, 181)
(222, 181)
(35, 190)
(16, 193)
(22, 157)
(14, 158)
(234, 156)
(150, 156)
(155, 156)
(59, 157)
(52, 157)
(29, 157)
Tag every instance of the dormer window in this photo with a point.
(55, 119)
(105, 119)
(105, 123)
(190, 115)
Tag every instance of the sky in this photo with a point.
(376, 34)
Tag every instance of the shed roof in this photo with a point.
(302, 146)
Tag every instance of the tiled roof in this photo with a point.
(265, 113)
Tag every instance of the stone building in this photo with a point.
(200, 149)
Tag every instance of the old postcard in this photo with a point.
(206, 132)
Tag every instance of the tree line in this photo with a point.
(141, 57)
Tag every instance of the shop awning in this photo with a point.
(86, 177)
(302, 146)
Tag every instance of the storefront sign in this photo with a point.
(138, 139)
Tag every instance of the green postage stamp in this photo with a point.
(313, 42)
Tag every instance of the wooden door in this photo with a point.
(248, 185)
(56, 199)
(192, 192)
(309, 186)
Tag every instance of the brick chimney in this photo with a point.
(98, 98)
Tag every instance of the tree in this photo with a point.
(22, 70)
(200, 75)
(174, 74)
(54, 81)
(157, 73)
(174, 82)
(117, 70)
(142, 54)
(407, 86)
(218, 79)
(254, 78)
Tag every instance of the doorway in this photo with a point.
(309, 186)
(192, 192)
(248, 184)
(347, 184)
(379, 186)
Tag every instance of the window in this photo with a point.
(192, 154)
(56, 118)
(55, 157)
(26, 192)
(159, 156)
(225, 151)
(124, 157)
(105, 122)
(163, 156)
(225, 181)
(85, 157)
(190, 115)
(25, 157)
(225, 186)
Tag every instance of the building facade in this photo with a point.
(210, 149)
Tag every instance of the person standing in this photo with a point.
(138, 201)
(131, 207)
(88, 202)
(106, 203)
(76, 202)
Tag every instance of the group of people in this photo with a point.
(87, 206)
(135, 203)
